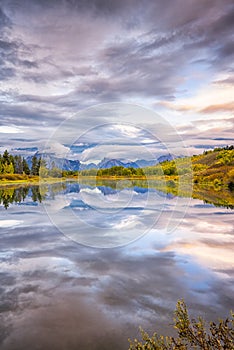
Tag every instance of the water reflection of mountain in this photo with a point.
(72, 187)
(64, 188)
(106, 190)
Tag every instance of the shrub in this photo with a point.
(199, 167)
(192, 334)
(217, 183)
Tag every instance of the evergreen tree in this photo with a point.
(10, 164)
(34, 168)
(18, 165)
(5, 157)
(37, 164)
(26, 169)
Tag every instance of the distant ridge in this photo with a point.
(106, 163)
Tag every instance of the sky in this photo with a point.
(74, 66)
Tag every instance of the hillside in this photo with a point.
(216, 167)
(212, 168)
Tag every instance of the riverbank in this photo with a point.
(8, 179)
(17, 179)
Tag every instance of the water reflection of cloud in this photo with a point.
(105, 222)
(130, 222)
(10, 223)
(209, 238)
(64, 293)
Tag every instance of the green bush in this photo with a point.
(191, 334)
(199, 167)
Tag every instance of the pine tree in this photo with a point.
(18, 165)
(26, 169)
(34, 168)
(5, 157)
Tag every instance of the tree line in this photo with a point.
(10, 164)
(121, 171)
(16, 164)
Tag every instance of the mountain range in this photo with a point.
(106, 163)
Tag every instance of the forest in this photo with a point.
(16, 167)
(10, 164)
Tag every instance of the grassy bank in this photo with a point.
(18, 179)
(6, 179)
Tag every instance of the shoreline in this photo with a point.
(36, 180)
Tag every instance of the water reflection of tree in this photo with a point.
(16, 195)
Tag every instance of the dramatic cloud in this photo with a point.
(59, 57)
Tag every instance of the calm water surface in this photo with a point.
(83, 266)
